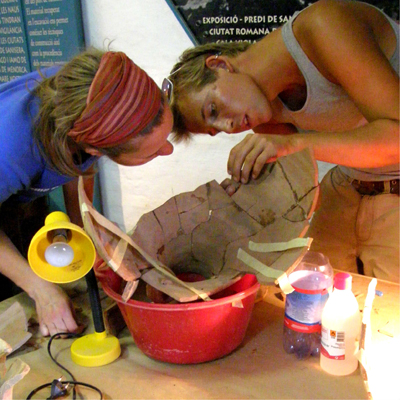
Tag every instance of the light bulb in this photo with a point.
(59, 254)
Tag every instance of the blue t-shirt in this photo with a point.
(23, 170)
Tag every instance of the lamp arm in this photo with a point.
(95, 301)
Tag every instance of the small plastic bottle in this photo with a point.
(311, 280)
(341, 324)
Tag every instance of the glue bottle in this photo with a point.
(311, 281)
(341, 324)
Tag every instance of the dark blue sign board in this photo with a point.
(207, 21)
(54, 31)
(38, 33)
(14, 55)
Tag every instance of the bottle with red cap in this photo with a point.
(311, 281)
(341, 325)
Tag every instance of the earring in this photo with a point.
(217, 55)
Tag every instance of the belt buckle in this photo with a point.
(366, 188)
(394, 187)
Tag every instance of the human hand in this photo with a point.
(54, 308)
(55, 311)
(253, 152)
(230, 186)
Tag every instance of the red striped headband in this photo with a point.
(122, 101)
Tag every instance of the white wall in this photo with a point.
(149, 33)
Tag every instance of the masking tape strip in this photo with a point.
(237, 304)
(116, 259)
(258, 265)
(284, 284)
(113, 265)
(361, 356)
(280, 246)
(119, 252)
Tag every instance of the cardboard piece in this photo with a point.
(11, 375)
(204, 231)
(14, 326)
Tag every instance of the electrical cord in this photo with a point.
(60, 388)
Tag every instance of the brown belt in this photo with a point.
(366, 188)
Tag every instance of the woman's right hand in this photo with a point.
(230, 186)
(55, 310)
(250, 155)
(53, 306)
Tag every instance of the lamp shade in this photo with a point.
(78, 240)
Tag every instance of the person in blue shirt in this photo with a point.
(54, 125)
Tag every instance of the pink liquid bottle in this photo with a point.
(311, 281)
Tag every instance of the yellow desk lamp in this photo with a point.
(62, 252)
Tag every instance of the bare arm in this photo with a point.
(347, 43)
(275, 129)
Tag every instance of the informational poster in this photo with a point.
(54, 30)
(38, 33)
(14, 55)
(207, 21)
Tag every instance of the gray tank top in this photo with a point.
(328, 107)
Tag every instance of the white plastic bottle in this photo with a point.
(341, 325)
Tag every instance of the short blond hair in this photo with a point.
(190, 73)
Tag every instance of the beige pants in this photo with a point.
(348, 226)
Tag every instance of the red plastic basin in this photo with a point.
(187, 333)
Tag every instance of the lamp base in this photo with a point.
(95, 349)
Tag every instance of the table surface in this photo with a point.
(258, 369)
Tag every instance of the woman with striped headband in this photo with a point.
(54, 125)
